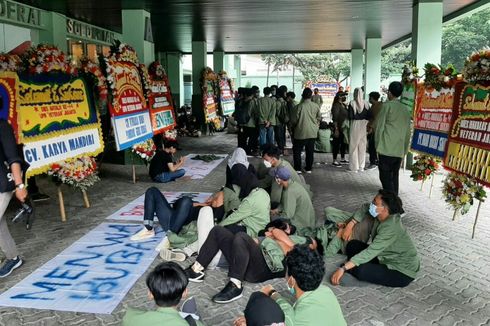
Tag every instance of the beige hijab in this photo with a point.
(358, 102)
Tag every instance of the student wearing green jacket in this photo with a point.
(305, 123)
(167, 285)
(391, 258)
(266, 109)
(282, 118)
(295, 203)
(392, 137)
(316, 304)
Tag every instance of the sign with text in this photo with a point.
(209, 101)
(19, 13)
(9, 95)
(161, 108)
(432, 119)
(227, 100)
(408, 96)
(131, 129)
(327, 91)
(83, 30)
(93, 275)
(468, 149)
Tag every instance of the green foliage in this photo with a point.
(394, 58)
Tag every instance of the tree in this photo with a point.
(394, 58)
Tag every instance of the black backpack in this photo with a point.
(242, 116)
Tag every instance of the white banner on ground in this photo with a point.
(198, 169)
(134, 210)
(92, 275)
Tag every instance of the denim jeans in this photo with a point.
(170, 218)
(169, 176)
(266, 135)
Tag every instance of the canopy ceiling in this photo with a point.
(251, 26)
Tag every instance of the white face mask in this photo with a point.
(267, 164)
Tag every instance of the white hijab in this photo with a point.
(358, 102)
(238, 156)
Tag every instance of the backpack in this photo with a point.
(242, 116)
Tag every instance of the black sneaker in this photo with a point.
(229, 293)
(9, 266)
(37, 197)
(344, 161)
(193, 276)
(336, 164)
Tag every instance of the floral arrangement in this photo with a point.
(156, 71)
(146, 150)
(208, 74)
(170, 134)
(79, 173)
(123, 52)
(47, 58)
(439, 77)
(410, 73)
(477, 66)
(424, 167)
(90, 67)
(460, 191)
(145, 79)
(10, 62)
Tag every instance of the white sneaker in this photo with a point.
(164, 244)
(143, 235)
(168, 255)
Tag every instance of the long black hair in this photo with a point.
(245, 179)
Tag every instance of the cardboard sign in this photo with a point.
(468, 149)
(432, 120)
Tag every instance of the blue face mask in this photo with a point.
(292, 290)
(372, 210)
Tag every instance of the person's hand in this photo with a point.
(274, 211)
(339, 234)
(256, 240)
(337, 276)
(269, 234)
(267, 289)
(21, 194)
(341, 225)
(240, 321)
(347, 234)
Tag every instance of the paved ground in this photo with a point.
(453, 287)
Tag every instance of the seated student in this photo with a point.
(272, 155)
(391, 258)
(322, 143)
(295, 203)
(162, 166)
(249, 260)
(316, 304)
(261, 310)
(239, 156)
(167, 285)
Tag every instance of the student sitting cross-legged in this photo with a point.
(167, 285)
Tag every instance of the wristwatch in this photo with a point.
(343, 268)
(20, 186)
(272, 292)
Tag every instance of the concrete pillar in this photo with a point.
(218, 61)
(199, 62)
(54, 31)
(175, 74)
(238, 69)
(372, 68)
(427, 32)
(356, 68)
(137, 32)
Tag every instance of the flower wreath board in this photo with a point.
(227, 100)
(129, 110)
(208, 81)
(160, 101)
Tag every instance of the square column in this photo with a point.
(356, 68)
(238, 70)
(137, 32)
(55, 30)
(199, 62)
(427, 32)
(372, 68)
(218, 61)
(175, 74)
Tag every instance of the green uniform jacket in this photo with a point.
(317, 99)
(282, 116)
(253, 212)
(306, 120)
(296, 205)
(253, 112)
(273, 254)
(392, 135)
(393, 246)
(266, 109)
(322, 143)
(161, 316)
(231, 199)
(314, 308)
(276, 190)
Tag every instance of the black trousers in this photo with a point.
(373, 271)
(309, 146)
(245, 257)
(280, 134)
(248, 138)
(373, 155)
(339, 146)
(389, 167)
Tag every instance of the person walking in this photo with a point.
(392, 137)
(11, 181)
(305, 124)
(359, 118)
